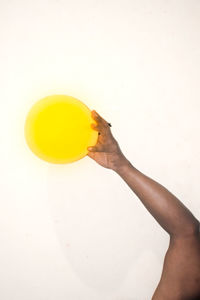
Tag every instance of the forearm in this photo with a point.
(168, 211)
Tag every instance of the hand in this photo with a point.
(106, 152)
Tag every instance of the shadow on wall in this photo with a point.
(94, 228)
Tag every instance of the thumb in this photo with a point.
(92, 149)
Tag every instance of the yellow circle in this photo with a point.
(57, 129)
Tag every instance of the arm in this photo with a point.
(168, 211)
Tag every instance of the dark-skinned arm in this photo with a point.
(166, 208)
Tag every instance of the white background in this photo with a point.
(77, 231)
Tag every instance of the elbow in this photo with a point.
(196, 228)
(189, 230)
(193, 229)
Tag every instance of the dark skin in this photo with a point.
(180, 278)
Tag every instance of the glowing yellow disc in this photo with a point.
(57, 129)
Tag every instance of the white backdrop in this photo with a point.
(77, 231)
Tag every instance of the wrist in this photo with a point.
(121, 164)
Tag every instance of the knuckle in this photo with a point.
(94, 126)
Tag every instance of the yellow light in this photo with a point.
(57, 129)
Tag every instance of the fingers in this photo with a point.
(98, 118)
(101, 124)
(101, 129)
(95, 127)
(94, 149)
